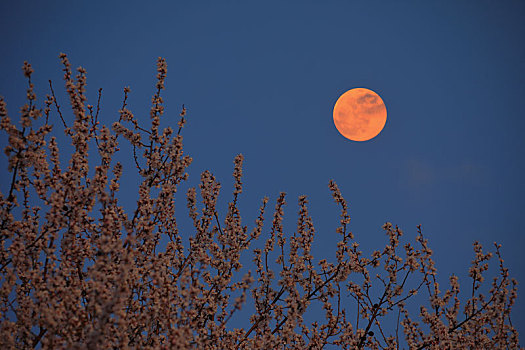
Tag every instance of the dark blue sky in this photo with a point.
(261, 79)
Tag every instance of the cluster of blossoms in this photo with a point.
(80, 272)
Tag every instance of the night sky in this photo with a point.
(261, 78)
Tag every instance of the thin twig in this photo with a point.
(57, 105)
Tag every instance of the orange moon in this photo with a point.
(359, 114)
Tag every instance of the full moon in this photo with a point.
(359, 114)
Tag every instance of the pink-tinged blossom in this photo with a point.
(80, 272)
